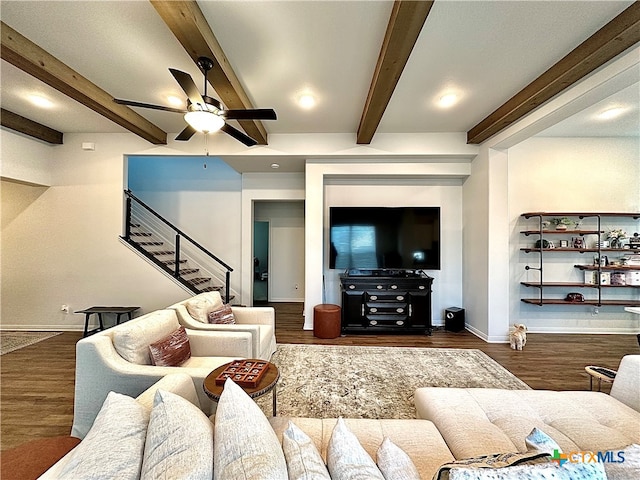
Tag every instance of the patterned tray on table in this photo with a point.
(246, 373)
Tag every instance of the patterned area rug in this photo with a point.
(327, 381)
(12, 340)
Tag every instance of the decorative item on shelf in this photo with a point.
(634, 241)
(578, 242)
(574, 297)
(615, 236)
(544, 244)
(632, 278)
(633, 260)
(618, 279)
(562, 223)
(564, 243)
(602, 260)
(602, 244)
(545, 224)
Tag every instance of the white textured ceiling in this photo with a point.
(484, 50)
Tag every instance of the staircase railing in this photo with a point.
(173, 251)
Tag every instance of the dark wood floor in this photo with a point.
(37, 381)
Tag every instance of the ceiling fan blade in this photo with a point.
(187, 84)
(186, 134)
(238, 135)
(131, 103)
(250, 114)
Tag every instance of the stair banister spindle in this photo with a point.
(127, 225)
(227, 282)
(176, 271)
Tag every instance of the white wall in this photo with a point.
(286, 248)
(64, 248)
(574, 175)
(203, 202)
(397, 183)
(397, 192)
(268, 187)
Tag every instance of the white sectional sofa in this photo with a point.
(258, 321)
(460, 423)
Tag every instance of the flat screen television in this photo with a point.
(384, 237)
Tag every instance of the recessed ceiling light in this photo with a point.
(275, 165)
(177, 101)
(306, 100)
(40, 101)
(448, 100)
(611, 113)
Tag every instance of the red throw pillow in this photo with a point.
(223, 314)
(172, 351)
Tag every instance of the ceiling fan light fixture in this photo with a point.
(206, 122)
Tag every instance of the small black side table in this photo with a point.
(119, 311)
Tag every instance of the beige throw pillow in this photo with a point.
(245, 446)
(394, 463)
(132, 339)
(303, 459)
(198, 307)
(113, 446)
(179, 441)
(347, 459)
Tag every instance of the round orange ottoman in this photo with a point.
(326, 321)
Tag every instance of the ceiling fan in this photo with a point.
(206, 114)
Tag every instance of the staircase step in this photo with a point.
(173, 262)
(189, 271)
(199, 280)
(215, 288)
(150, 244)
(140, 234)
(160, 253)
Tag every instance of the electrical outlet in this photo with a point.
(595, 312)
(64, 308)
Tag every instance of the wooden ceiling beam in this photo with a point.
(30, 58)
(405, 24)
(614, 38)
(28, 127)
(190, 27)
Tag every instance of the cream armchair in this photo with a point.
(117, 359)
(258, 321)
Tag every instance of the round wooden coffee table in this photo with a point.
(266, 384)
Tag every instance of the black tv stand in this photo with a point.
(386, 301)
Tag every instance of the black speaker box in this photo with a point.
(454, 319)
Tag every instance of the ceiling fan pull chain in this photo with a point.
(206, 147)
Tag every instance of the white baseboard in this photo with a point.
(45, 328)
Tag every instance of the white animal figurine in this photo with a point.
(518, 338)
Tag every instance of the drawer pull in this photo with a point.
(421, 287)
(400, 297)
(373, 322)
(400, 322)
(373, 310)
(393, 287)
(400, 310)
(362, 309)
(373, 297)
(351, 287)
(379, 287)
(410, 310)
